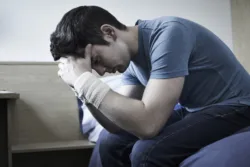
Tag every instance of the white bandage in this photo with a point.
(91, 89)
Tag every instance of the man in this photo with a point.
(164, 61)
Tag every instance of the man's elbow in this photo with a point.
(148, 132)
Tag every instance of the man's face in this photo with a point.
(110, 58)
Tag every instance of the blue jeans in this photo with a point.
(232, 151)
(183, 135)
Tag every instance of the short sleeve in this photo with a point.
(128, 77)
(170, 51)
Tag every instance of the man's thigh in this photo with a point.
(112, 147)
(232, 151)
(123, 138)
(183, 138)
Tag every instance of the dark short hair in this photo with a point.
(79, 27)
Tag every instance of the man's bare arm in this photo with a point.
(144, 118)
(132, 91)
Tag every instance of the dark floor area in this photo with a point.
(66, 158)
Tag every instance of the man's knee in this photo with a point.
(153, 153)
(114, 149)
(114, 143)
(107, 143)
(141, 152)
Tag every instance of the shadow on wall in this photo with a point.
(27, 126)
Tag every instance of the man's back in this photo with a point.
(174, 47)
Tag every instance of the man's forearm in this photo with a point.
(130, 114)
(104, 121)
(117, 110)
(144, 118)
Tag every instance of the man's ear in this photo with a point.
(108, 32)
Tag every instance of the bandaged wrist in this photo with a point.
(91, 89)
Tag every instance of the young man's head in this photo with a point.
(113, 43)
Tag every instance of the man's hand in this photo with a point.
(71, 68)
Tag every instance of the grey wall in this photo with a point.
(241, 30)
(25, 25)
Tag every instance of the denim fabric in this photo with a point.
(232, 151)
(184, 134)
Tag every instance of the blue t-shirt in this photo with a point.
(175, 47)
